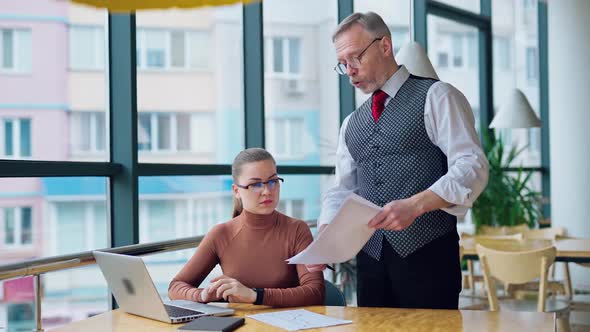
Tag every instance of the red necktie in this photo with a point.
(378, 105)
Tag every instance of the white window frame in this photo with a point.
(89, 221)
(286, 45)
(16, 56)
(209, 204)
(98, 37)
(290, 140)
(94, 129)
(288, 204)
(18, 227)
(16, 141)
(141, 41)
(155, 134)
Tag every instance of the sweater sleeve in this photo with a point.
(185, 283)
(311, 284)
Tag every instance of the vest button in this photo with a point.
(377, 164)
(375, 147)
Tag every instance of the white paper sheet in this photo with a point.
(300, 319)
(344, 237)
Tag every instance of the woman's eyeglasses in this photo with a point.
(259, 186)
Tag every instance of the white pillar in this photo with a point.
(569, 120)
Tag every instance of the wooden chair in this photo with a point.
(554, 287)
(471, 277)
(470, 302)
(519, 267)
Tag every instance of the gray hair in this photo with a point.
(370, 21)
(247, 156)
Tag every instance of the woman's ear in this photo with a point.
(234, 188)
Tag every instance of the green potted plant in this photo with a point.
(508, 199)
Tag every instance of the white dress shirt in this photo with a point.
(450, 125)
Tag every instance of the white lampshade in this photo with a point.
(412, 56)
(516, 113)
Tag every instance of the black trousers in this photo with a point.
(429, 278)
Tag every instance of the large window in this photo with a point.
(87, 49)
(515, 30)
(88, 132)
(173, 49)
(190, 85)
(176, 132)
(283, 56)
(300, 86)
(285, 138)
(15, 137)
(15, 50)
(455, 48)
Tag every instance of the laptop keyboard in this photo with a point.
(180, 312)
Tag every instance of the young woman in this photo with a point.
(253, 246)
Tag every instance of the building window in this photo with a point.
(283, 56)
(82, 223)
(531, 64)
(293, 208)
(16, 138)
(87, 47)
(442, 59)
(286, 136)
(172, 49)
(501, 53)
(15, 50)
(18, 226)
(88, 132)
(173, 132)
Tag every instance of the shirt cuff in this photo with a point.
(454, 193)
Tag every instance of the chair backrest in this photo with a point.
(517, 236)
(515, 267)
(333, 296)
(549, 233)
(504, 230)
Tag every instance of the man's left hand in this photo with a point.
(396, 215)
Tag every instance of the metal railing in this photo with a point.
(36, 267)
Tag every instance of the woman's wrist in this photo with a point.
(258, 295)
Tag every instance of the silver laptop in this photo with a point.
(134, 290)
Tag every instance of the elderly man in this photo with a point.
(412, 149)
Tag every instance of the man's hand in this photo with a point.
(229, 289)
(396, 215)
(399, 215)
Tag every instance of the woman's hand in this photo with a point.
(207, 295)
(229, 289)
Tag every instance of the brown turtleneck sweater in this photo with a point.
(252, 249)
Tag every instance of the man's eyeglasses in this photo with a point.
(355, 62)
(259, 186)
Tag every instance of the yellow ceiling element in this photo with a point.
(126, 6)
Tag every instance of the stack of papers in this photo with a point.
(344, 237)
(293, 320)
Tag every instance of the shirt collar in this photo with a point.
(395, 82)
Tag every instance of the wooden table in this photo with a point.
(568, 250)
(364, 319)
